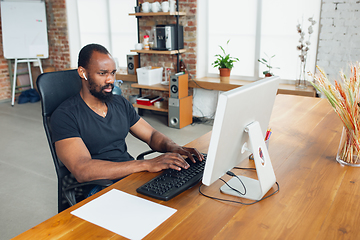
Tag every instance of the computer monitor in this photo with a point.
(241, 121)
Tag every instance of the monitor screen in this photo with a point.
(237, 109)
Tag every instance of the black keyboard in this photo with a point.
(173, 182)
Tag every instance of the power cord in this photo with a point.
(234, 189)
(239, 202)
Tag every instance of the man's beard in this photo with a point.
(101, 95)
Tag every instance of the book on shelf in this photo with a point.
(148, 100)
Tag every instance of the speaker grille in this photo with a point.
(174, 89)
(131, 66)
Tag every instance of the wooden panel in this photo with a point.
(160, 52)
(158, 87)
(344, 212)
(215, 84)
(185, 111)
(152, 107)
(127, 77)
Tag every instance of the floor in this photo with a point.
(28, 195)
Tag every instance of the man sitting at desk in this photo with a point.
(89, 129)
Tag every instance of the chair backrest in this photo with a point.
(54, 88)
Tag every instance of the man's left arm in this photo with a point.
(159, 142)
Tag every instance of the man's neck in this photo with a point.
(90, 100)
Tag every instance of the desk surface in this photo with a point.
(318, 198)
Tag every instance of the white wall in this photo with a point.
(339, 41)
(73, 30)
(204, 101)
(106, 22)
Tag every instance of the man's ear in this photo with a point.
(82, 72)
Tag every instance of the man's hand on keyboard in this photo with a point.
(165, 161)
(189, 152)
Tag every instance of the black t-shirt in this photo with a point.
(104, 137)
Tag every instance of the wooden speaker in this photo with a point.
(178, 86)
(180, 112)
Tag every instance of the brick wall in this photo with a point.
(59, 55)
(59, 51)
(169, 61)
(4, 73)
(189, 24)
(339, 39)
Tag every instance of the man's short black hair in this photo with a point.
(86, 52)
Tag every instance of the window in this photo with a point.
(106, 22)
(258, 27)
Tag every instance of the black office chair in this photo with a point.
(54, 88)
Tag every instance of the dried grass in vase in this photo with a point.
(344, 97)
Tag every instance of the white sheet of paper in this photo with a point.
(124, 214)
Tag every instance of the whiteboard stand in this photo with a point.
(28, 61)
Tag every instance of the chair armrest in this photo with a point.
(70, 195)
(101, 182)
(142, 155)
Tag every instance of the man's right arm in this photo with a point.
(73, 153)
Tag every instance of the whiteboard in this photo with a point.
(24, 30)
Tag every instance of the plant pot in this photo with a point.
(268, 75)
(225, 75)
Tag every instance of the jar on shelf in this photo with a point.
(146, 42)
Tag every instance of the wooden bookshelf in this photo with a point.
(152, 14)
(157, 87)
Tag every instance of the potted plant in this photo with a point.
(267, 63)
(225, 63)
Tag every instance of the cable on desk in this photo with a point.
(234, 189)
(227, 200)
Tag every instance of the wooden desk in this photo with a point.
(318, 198)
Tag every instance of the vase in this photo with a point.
(224, 75)
(348, 151)
(301, 81)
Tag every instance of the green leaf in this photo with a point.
(224, 61)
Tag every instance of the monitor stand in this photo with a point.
(255, 189)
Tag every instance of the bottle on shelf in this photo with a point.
(146, 42)
(167, 74)
(182, 67)
(152, 37)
